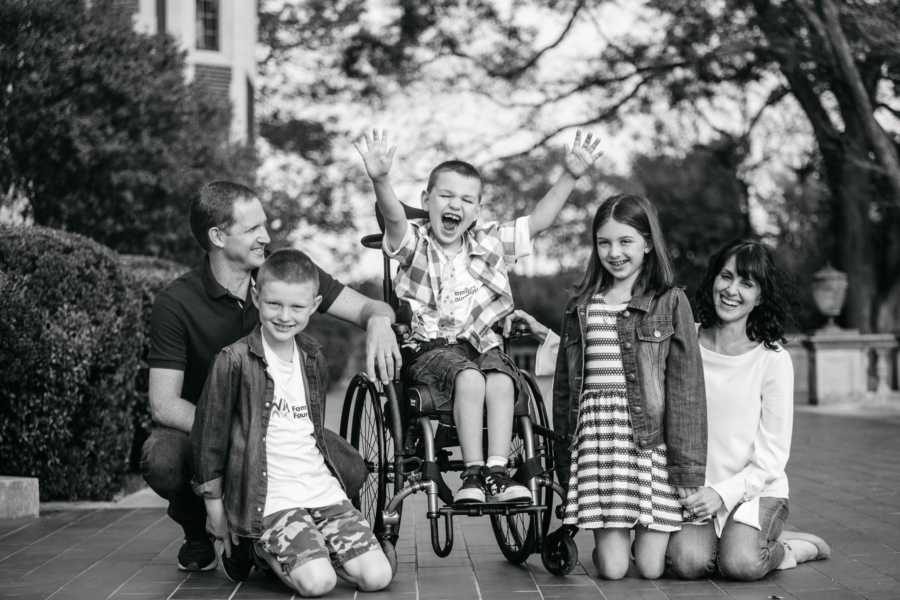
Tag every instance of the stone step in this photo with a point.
(19, 497)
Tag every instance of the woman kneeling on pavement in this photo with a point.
(738, 517)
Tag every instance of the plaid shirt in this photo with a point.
(491, 248)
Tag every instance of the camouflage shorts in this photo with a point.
(298, 535)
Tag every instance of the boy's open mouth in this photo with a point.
(450, 222)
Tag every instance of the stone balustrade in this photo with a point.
(835, 366)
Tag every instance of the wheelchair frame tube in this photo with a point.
(528, 439)
(430, 456)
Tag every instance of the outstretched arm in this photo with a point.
(378, 156)
(578, 160)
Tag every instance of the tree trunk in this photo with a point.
(852, 188)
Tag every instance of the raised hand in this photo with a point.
(377, 155)
(581, 156)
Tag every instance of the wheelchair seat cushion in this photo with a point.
(433, 374)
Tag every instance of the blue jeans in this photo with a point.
(167, 467)
(742, 552)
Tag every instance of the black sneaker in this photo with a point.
(503, 488)
(472, 489)
(238, 566)
(197, 555)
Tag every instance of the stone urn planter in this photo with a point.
(829, 289)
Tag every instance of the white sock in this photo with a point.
(474, 463)
(496, 461)
(788, 561)
(802, 550)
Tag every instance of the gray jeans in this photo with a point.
(167, 468)
(742, 552)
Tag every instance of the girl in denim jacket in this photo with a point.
(628, 394)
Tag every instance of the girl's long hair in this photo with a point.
(752, 260)
(656, 273)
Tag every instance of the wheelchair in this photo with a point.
(406, 443)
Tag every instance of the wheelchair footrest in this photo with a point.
(477, 509)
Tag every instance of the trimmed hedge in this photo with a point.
(70, 325)
(148, 275)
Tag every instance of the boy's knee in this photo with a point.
(376, 578)
(312, 583)
(370, 571)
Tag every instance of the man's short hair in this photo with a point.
(290, 266)
(460, 167)
(214, 207)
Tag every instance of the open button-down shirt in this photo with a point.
(490, 248)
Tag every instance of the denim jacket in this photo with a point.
(663, 381)
(230, 424)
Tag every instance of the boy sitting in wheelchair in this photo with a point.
(453, 273)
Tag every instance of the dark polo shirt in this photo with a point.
(195, 317)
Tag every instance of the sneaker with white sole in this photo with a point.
(197, 555)
(501, 487)
(472, 489)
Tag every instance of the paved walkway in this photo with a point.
(845, 485)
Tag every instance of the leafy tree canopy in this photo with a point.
(697, 72)
(100, 131)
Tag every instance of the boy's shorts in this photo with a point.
(298, 535)
(438, 367)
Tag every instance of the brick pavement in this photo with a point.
(845, 480)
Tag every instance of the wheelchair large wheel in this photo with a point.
(518, 535)
(363, 418)
(515, 535)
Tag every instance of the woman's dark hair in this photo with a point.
(752, 260)
(656, 273)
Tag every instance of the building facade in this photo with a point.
(220, 39)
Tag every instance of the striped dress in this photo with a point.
(612, 482)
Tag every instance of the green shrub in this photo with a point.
(70, 325)
(148, 275)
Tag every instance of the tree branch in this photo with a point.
(516, 71)
(889, 108)
(606, 114)
(775, 96)
(824, 129)
(833, 37)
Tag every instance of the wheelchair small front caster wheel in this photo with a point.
(559, 553)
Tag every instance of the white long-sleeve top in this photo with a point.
(750, 412)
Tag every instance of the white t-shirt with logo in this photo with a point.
(297, 476)
(457, 288)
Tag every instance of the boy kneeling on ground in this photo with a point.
(261, 462)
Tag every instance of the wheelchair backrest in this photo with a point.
(404, 315)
